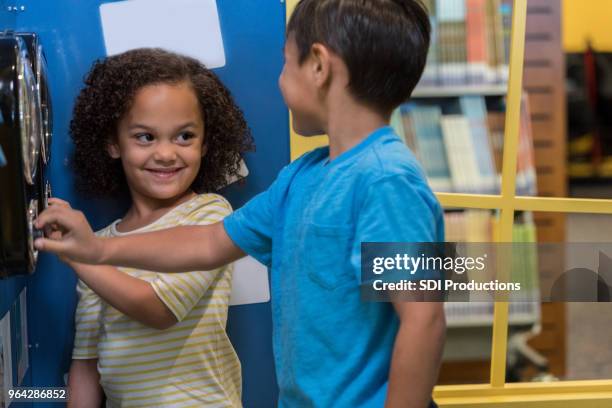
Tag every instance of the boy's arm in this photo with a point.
(180, 249)
(131, 296)
(416, 355)
(84, 390)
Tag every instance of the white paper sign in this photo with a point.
(23, 363)
(249, 283)
(189, 27)
(2, 392)
(5, 355)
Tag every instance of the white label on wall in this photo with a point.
(6, 364)
(249, 283)
(189, 27)
(23, 363)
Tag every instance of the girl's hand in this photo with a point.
(70, 235)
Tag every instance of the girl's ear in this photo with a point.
(113, 150)
(204, 149)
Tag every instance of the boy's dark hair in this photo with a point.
(110, 87)
(384, 44)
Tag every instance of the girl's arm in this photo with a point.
(84, 389)
(181, 249)
(131, 296)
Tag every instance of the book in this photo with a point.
(430, 74)
(397, 124)
(526, 183)
(495, 35)
(476, 37)
(462, 160)
(495, 121)
(452, 58)
(506, 23)
(408, 126)
(475, 110)
(430, 144)
(500, 49)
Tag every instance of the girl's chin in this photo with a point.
(166, 194)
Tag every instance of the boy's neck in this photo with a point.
(349, 123)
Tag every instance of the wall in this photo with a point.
(11, 288)
(71, 35)
(584, 20)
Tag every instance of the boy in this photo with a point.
(349, 63)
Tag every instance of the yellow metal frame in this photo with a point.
(499, 394)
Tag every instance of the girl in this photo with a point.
(162, 128)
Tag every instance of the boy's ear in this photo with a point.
(113, 150)
(204, 149)
(321, 63)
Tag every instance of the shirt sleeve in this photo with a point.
(398, 209)
(251, 227)
(87, 323)
(180, 292)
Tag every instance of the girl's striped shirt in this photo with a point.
(191, 364)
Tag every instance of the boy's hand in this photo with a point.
(70, 234)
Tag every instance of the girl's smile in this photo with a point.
(165, 173)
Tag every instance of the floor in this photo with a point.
(589, 325)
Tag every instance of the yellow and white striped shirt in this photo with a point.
(191, 364)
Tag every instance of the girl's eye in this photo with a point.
(144, 137)
(185, 137)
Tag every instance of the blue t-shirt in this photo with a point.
(331, 349)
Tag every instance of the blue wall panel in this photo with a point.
(71, 34)
(11, 288)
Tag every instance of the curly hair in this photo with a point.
(110, 87)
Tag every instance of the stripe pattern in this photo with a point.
(191, 364)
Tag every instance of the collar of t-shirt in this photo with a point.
(364, 144)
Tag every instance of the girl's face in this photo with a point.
(160, 142)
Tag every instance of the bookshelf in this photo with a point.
(470, 42)
(545, 98)
(454, 122)
(449, 78)
(446, 91)
(481, 226)
(458, 139)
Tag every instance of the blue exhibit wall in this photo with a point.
(70, 32)
(11, 288)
